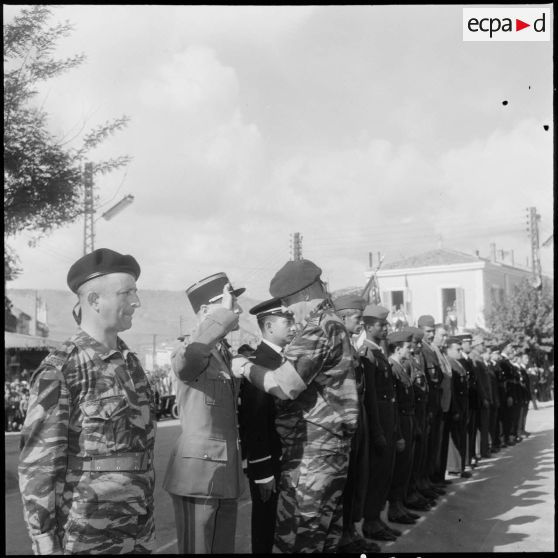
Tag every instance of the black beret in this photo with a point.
(375, 312)
(349, 302)
(293, 277)
(270, 307)
(426, 321)
(400, 336)
(101, 262)
(454, 340)
(209, 290)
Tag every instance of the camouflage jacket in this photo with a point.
(86, 401)
(327, 410)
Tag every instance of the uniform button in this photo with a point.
(205, 456)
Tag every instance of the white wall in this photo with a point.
(426, 286)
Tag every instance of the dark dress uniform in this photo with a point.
(384, 428)
(434, 376)
(525, 387)
(485, 397)
(420, 389)
(458, 410)
(511, 400)
(502, 398)
(359, 462)
(405, 398)
(473, 406)
(262, 449)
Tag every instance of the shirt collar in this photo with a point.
(372, 344)
(83, 340)
(275, 347)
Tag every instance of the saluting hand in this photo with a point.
(228, 297)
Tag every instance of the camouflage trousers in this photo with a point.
(310, 502)
(100, 533)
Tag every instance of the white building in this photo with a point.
(446, 282)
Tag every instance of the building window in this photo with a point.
(397, 300)
(453, 309)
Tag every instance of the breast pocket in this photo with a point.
(215, 387)
(105, 420)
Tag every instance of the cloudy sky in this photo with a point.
(366, 129)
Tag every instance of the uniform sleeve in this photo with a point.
(42, 461)
(255, 407)
(370, 399)
(189, 361)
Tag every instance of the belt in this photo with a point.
(134, 461)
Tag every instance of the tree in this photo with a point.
(526, 317)
(42, 177)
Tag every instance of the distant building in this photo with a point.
(30, 311)
(454, 287)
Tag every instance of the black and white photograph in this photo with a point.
(279, 279)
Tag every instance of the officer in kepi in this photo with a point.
(204, 473)
(86, 464)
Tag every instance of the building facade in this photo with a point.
(456, 288)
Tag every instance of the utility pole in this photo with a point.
(154, 350)
(88, 210)
(533, 219)
(296, 246)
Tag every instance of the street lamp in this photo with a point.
(118, 207)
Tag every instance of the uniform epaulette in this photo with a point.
(55, 359)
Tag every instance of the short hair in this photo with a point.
(263, 319)
(348, 312)
(393, 346)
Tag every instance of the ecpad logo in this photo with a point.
(506, 24)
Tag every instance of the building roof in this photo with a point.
(22, 341)
(441, 256)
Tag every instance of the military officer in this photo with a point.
(86, 464)
(459, 403)
(204, 474)
(381, 410)
(484, 392)
(494, 407)
(510, 412)
(439, 345)
(434, 413)
(350, 308)
(474, 404)
(526, 396)
(497, 435)
(257, 424)
(414, 500)
(316, 412)
(399, 346)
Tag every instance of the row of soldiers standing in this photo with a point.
(429, 403)
(352, 428)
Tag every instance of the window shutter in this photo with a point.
(460, 307)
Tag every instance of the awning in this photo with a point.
(22, 341)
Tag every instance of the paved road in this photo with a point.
(507, 506)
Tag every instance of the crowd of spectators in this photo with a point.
(16, 400)
(16, 392)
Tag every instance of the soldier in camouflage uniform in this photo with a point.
(86, 464)
(316, 414)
